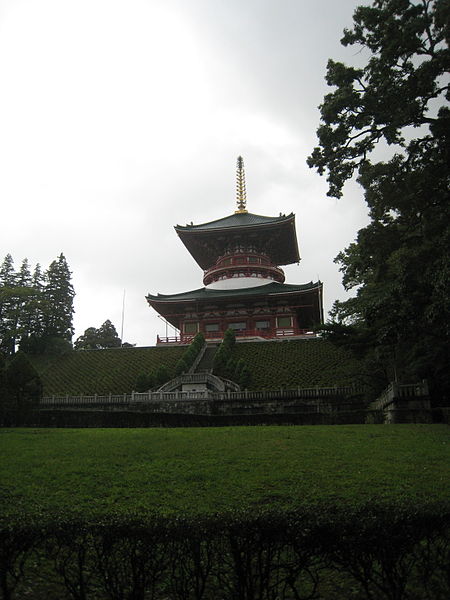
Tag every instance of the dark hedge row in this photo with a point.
(376, 552)
(123, 418)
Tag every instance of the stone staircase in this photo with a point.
(206, 363)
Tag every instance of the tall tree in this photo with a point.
(58, 297)
(7, 303)
(35, 310)
(399, 264)
(4, 397)
(20, 297)
(7, 272)
(31, 319)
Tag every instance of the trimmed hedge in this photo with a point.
(263, 365)
(113, 370)
(297, 363)
(393, 552)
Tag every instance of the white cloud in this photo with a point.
(119, 119)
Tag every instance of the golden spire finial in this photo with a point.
(241, 194)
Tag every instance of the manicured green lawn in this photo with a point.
(200, 470)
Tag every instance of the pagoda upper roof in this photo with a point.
(206, 241)
(270, 289)
(244, 219)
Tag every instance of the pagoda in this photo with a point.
(244, 285)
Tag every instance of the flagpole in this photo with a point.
(123, 317)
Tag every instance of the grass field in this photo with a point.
(187, 471)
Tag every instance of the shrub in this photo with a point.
(162, 375)
(181, 367)
(23, 388)
(245, 377)
(144, 382)
(223, 354)
(385, 552)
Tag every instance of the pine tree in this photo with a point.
(35, 311)
(7, 273)
(58, 295)
(7, 286)
(31, 319)
(4, 397)
(20, 297)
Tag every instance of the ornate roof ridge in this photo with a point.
(268, 289)
(236, 219)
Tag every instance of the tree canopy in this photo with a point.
(388, 124)
(94, 339)
(36, 309)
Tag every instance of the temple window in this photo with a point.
(237, 326)
(284, 321)
(210, 327)
(190, 327)
(262, 325)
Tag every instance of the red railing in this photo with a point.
(247, 333)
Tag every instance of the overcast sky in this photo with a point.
(122, 118)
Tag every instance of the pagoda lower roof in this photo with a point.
(207, 241)
(270, 289)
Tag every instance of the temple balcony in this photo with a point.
(265, 334)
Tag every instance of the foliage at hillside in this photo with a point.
(102, 371)
(297, 363)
